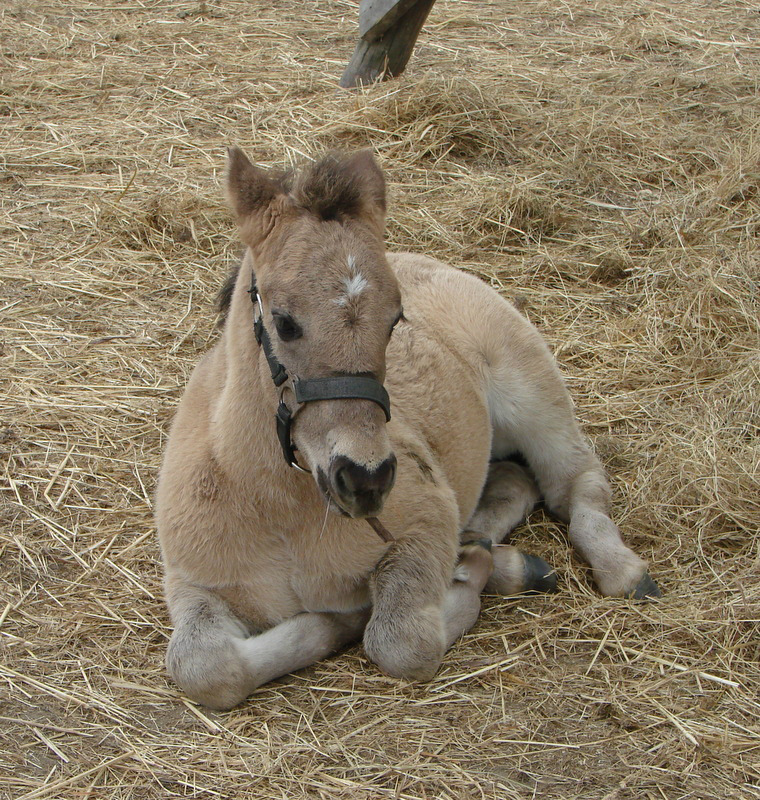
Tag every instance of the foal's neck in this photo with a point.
(245, 426)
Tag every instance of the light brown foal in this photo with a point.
(269, 569)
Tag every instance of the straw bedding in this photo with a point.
(599, 163)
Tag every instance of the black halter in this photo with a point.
(343, 387)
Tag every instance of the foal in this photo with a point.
(269, 569)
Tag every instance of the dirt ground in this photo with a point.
(599, 163)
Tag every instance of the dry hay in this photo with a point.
(599, 162)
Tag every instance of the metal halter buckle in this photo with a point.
(284, 420)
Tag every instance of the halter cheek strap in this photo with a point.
(342, 387)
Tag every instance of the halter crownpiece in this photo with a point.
(341, 387)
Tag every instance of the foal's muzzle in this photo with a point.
(359, 491)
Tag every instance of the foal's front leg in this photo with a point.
(213, 657)
(418, 611)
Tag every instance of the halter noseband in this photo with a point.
(343, 387)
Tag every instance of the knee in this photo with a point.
(408, 645)
(210, 673)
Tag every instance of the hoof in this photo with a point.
(486, 544)
(645, 589)
(539, 576)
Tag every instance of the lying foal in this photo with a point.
(386, 372)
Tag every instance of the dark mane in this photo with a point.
(224, 295)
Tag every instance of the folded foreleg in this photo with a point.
(426, 594)
(216, 661)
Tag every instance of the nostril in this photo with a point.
(386, 473)
(340, 481)
(351, 479)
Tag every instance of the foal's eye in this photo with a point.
(286, 326)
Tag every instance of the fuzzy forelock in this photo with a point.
(332, 189)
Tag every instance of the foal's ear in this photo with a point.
(372, 187)
(251, 193)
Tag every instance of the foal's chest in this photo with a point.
(331, 570)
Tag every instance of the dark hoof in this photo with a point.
(539, 576)
(645, 589)
(486, 544)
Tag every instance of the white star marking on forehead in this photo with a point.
(355, 284)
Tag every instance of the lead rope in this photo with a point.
(380, 529)
(350, 386)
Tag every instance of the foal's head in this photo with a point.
(330, 302)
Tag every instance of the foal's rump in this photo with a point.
(496, 389)
(498, 350)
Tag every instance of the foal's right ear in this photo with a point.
(250, 190)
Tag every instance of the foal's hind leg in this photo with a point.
(582, 497)
(509, 496)
(532, 413)
(216, 661)
(575, 489)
